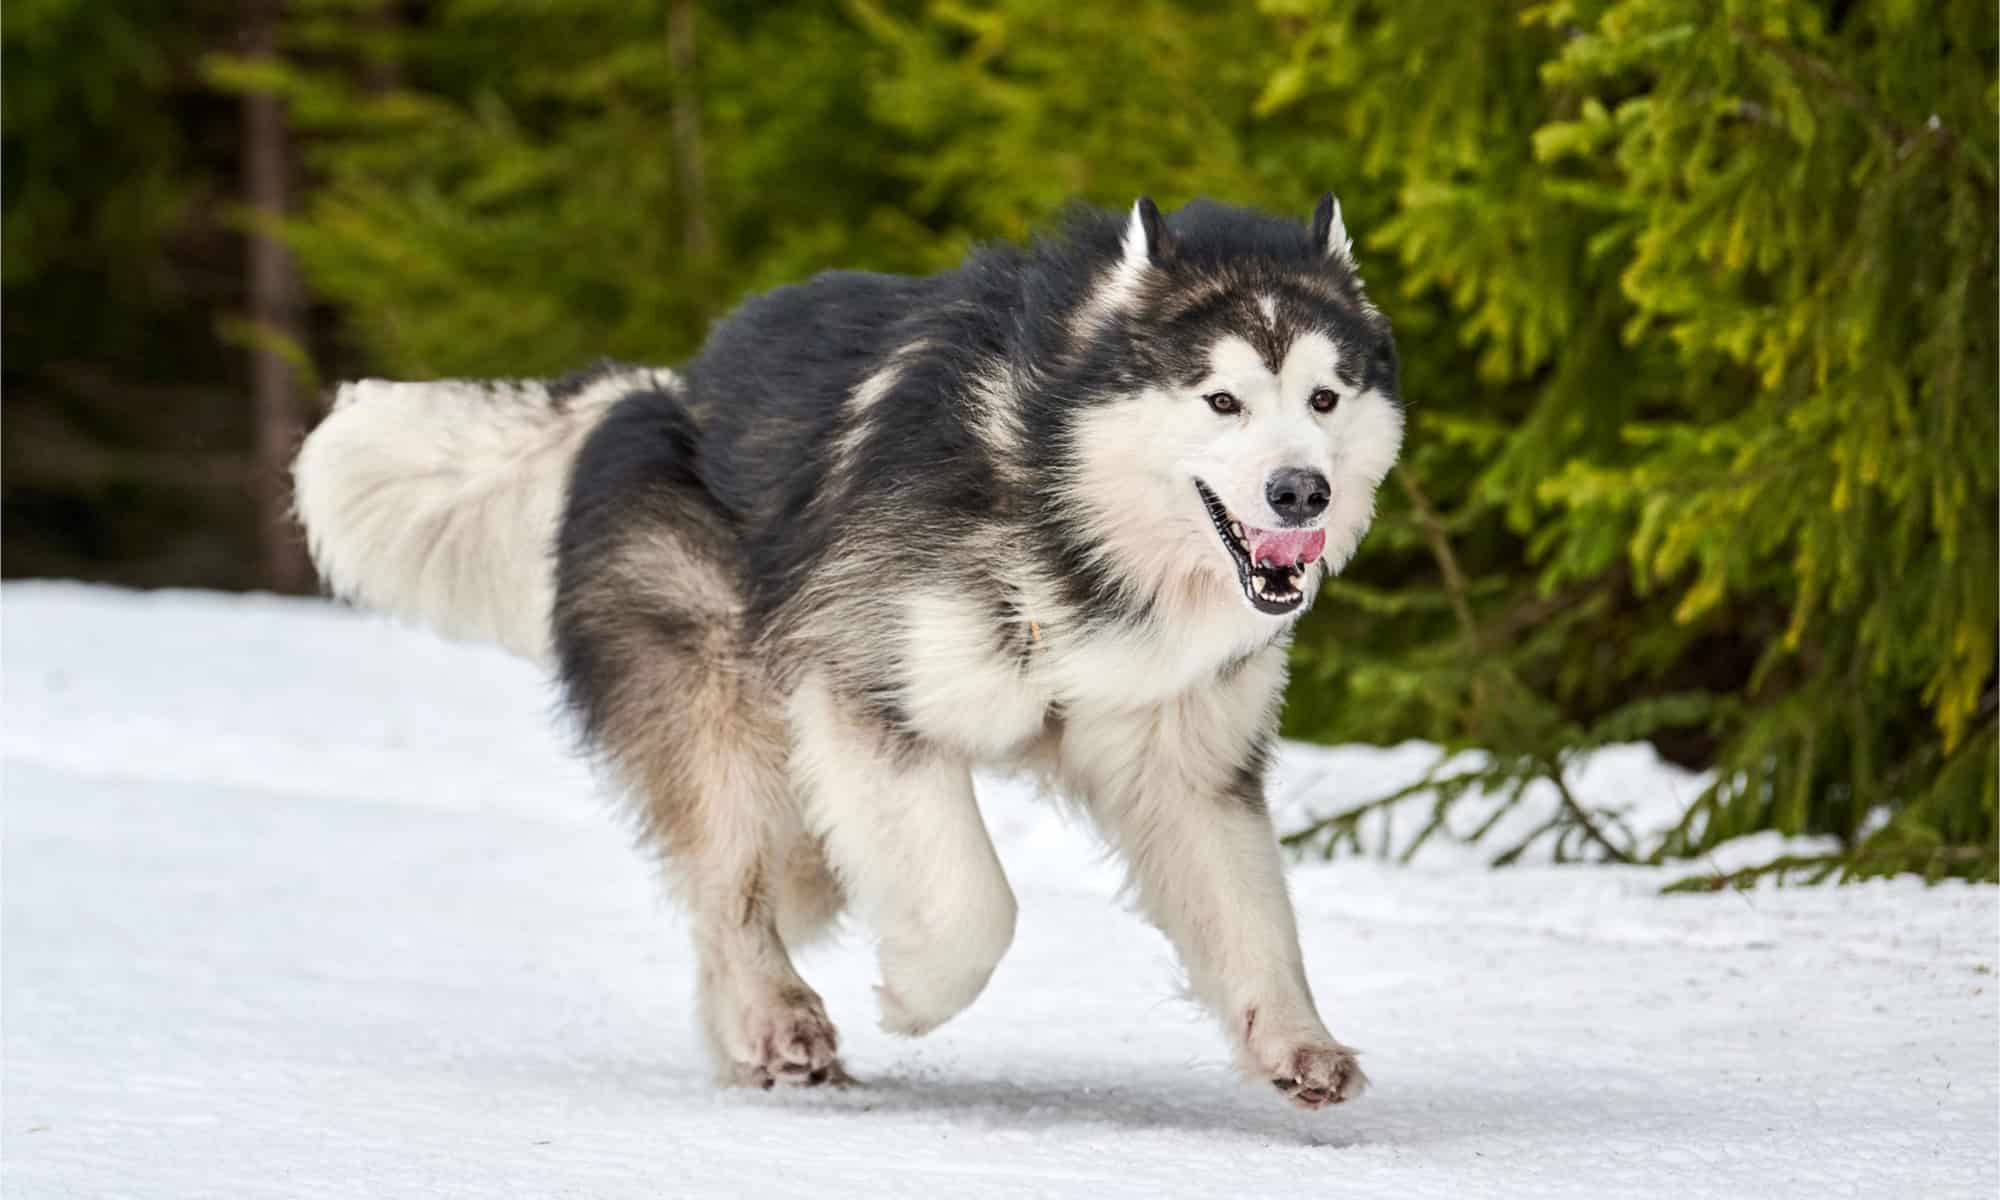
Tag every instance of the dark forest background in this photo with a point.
(1696, 301)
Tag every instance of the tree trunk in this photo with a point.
(687, 128)
(276, 312)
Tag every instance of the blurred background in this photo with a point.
(1695, 298)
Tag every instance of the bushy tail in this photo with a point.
(440, 502)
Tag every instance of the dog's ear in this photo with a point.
(1329, 232)
(1146, 241)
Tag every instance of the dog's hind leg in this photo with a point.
(809, 896)
(904, 834)
(716, 805)
(729, 858)
(648, 635)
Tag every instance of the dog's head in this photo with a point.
(1255, 409)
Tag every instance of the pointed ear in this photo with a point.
(1329, 232)
(1146, 242)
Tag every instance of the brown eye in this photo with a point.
(1223, 403)
(1324, 400)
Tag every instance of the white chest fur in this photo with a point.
(986, 689)
(1138, 666)
(966, 684)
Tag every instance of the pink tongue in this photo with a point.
(1284, 547)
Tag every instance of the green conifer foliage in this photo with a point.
(1728, 480)
(1696, 301)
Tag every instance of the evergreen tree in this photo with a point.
(126, 433)
(1728, 478)
(1696, 302)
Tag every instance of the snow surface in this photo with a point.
(300, 903)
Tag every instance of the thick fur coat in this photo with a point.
(1057, 509)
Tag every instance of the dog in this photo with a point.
(1058, 509)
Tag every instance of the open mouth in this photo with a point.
(1270, 563)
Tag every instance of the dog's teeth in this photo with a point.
(1236, 530)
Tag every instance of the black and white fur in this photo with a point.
(1058, 509)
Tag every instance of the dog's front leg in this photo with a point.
(904, 834)
(1206, 868)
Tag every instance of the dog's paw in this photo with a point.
(904, 1019)
(788, 1039)
(918, 994)
(896, 1015)
(745, 1075)
(1310, 1068)
(1313, 1076)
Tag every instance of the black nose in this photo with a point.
(1296, 495)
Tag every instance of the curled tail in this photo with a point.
(440, 502)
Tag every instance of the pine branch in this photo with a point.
(1901, 136)
(1468, 624)
(1335, 824)
(1440, 544)
(1985, 860)
(1582, 818)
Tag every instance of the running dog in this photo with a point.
(1057, 509)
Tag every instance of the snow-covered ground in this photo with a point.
(300, 903)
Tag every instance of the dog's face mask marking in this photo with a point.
(1284, 463)
(1270, 421)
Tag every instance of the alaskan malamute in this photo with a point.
(1057, 509)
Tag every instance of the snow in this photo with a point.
(297, 902)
